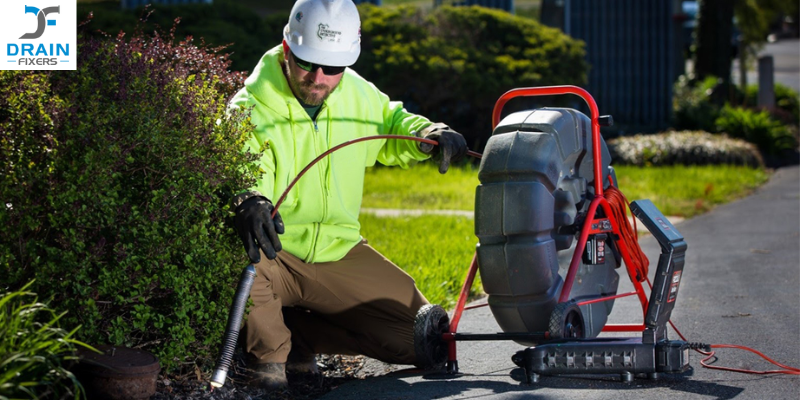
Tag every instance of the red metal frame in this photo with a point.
(557, 90)
(592, 224)
(462, 301)
(600, 299)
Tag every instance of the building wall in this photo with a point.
(631, 47)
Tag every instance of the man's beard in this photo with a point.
(303, 90)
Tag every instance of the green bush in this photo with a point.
(684, 148)
(757, 127)
(693, 105)
(114, 180)
(787, 102)
(695, 108)
(452, 63)
(35, 353)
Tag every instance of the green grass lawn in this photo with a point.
(688, 191)
(437, 250)
(676, 190)
(421, 187)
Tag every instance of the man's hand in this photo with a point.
(452, 146)
(258, 229)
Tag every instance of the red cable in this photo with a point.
(619, 207)
(348, 143)
(787, 370)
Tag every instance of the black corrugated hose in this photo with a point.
(234, 322)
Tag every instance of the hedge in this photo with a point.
(758, 127)
(114, 181)
(773, 131)
(451, 64)
(684, 147)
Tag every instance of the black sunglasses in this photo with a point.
(311, 67)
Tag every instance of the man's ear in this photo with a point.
(285, 50)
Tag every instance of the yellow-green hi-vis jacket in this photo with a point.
(321, 212)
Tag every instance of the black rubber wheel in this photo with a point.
(566, 322)
(429, 325)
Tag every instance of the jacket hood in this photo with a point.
(321, 212)
(276, 93)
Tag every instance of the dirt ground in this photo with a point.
(335, 370)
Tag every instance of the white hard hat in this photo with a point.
(325, 32)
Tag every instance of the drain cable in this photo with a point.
(705, 349)
(619, 205)
(348, 143)
(615, 197)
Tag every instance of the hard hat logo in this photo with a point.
(326, 34)
(299, 16)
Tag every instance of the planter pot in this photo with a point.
(118, 373)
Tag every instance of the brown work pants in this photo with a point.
(361, 304)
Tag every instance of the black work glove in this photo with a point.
(452, 146)
(258, 229)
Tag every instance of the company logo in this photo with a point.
(40, 17)
(298, 16)
(48, 30)
(326, 34)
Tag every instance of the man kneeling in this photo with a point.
(320, 287)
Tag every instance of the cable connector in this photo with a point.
(672, 356)
(699, 346)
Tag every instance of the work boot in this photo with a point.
(304, 370)
(269, 376)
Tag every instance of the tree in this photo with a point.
(715, 34)
(714, 31)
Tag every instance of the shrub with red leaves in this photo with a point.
(114, 181)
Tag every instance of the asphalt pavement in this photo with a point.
(741, 285)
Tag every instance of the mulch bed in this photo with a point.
(336, 370)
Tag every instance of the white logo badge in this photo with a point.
(38, 34)
(327, 35)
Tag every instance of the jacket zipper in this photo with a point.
(317, 225)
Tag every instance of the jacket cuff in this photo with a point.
(240, 198)
(434, 127)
